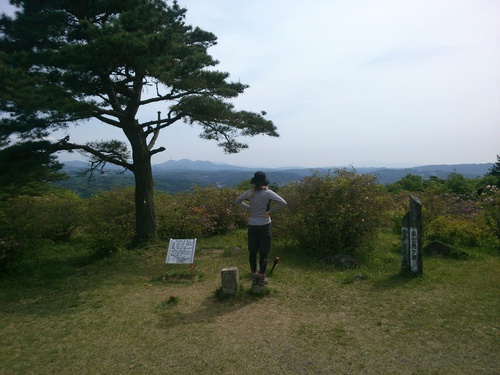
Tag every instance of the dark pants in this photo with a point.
(259, 241)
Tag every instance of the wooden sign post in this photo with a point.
(411, 238)
(405, 243)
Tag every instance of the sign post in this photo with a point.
(405, 243)
(415, 235)
(181, 251)
(411, 238)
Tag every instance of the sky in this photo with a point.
(360, 83)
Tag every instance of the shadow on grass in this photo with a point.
(210, 310)
(41, 300)
(52, 281)
(397, 280)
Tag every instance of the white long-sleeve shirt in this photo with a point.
(258, 205)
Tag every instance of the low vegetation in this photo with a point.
(338, 212)
(70, 312)
(76, 298)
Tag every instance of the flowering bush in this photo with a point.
(177, 218)
(205, 212)
(465, 206)
(490, 202)
(334, 213)
(219, 207)
(455, 219)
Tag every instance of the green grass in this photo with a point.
(68, 312)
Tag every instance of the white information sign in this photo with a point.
(181, 251)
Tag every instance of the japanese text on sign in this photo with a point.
(181, 251)
(414, 249)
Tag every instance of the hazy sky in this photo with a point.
(358, 82)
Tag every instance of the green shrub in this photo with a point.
(57, 216)
(111, 219)
(25, 221)
(218, 206)
(436, 205)
(397, 219)
(177, 218)
(490, 203)
(456, 219)
(51, 217)
(16, 235)
(205, 212)
(456, 231)
(332, 214)
(11, 247)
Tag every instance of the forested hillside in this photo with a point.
(184, 175)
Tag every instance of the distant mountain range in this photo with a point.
(181, 175)
(284, 175)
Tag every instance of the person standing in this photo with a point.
(259, 199)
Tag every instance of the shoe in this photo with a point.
(262, 280)
(255, 278)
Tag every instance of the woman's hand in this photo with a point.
(266, 214)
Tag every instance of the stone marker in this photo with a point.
(230, 280)
(436, 247)
(342, 261)
(257, 289)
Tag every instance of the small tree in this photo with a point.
(66, 62)
(458, 184)
(410, 182)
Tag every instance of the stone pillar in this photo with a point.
(230, 280)
(258, 289)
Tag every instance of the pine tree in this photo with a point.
(70, 61)
(495, 169)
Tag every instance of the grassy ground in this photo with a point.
(73, 314)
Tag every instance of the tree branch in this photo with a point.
(109, 121)
(156, 133)
(160, 149)
(65, 145)
(164, 123)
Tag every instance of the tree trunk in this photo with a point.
(145, 211)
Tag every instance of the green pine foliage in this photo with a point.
(495, 170)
